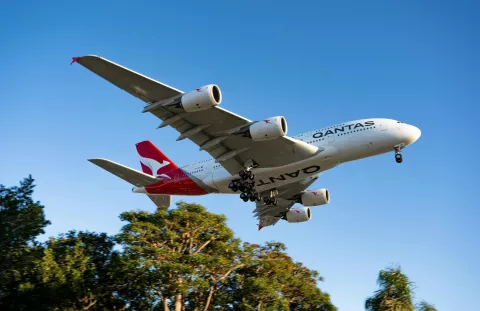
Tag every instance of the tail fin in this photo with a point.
(153, 161)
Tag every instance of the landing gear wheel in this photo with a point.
(242, 187)
(246, 174)
(269, 201)
(398, 158)
(253, 197)
(233, 186)
(244, 196)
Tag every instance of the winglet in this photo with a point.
(260, 227)
(74, 60)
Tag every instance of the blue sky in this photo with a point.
(317, 63)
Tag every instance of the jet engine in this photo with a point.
(315, 197)
(298, 214)
(267, 129)
(202, 98)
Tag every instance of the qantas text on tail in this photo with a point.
(255, 159)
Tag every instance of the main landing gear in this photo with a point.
(398, 155)
(271, 200)
(246, 185)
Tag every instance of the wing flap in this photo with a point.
(130, 175)
(269, 215)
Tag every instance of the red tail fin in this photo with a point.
(153, 161)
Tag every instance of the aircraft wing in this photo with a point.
(269, 215)
(215, 121)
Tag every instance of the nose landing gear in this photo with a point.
(398, 155)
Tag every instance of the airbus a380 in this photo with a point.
(255, 159)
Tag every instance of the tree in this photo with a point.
(188, 259)
(180, 257)
(21, 221)
(395, 293)
(424, 306)
(76, 273)
(271, 280)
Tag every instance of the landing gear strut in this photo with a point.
(398, 155)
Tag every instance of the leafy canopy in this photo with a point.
(394, 294)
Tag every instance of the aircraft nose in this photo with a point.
(413, 134)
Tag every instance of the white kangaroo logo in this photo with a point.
(155, 166)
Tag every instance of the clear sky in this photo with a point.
(317, 63)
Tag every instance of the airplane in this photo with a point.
(255, 159)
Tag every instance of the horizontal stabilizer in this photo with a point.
(160, 200)
(130, 175)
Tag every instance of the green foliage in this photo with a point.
(21, 221)
(395, 293)
(424, 306)
(76, 272)
(271, 280)
(188, 259)
(179, 254)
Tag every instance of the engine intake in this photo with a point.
(202, 98)
(267, 129)
(298, 214)
(315, 197)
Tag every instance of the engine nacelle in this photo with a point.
(298, 214)
(202, 98)
(267, 129)
(315, 197)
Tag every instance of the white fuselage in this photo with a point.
(337, 144)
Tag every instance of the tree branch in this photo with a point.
(209, 298)
(90, 304)
(204, 245)
(164, 301)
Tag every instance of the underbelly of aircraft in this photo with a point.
(269, 178)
